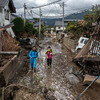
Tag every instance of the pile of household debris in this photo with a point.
(9, 43)
(27, 42)
(89, 56)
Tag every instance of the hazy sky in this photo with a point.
(71, 6)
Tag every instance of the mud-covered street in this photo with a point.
(59, 76)
(57, 83)
(66, 85)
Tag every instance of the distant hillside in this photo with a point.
(51, 22)
(77, 16)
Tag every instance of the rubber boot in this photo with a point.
(35, 70)
(50, 66)
(32, 68)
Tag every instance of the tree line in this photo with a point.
(84, 27)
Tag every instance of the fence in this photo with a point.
(95, 48)
(9, 70)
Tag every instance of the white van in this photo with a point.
(82, 41)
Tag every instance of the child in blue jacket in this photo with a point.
(33, 56)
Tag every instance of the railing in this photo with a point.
(95, 48)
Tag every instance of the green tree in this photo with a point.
(18, 26)
(29, 27)
(43, 29)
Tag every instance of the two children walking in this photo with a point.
(34, 55)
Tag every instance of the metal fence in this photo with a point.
(95, 48)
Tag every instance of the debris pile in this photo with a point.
(9, 43)
(33, 91)
(89, 56)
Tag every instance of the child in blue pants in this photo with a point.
(33, 56)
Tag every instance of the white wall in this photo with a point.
(1, 19)
(60, 28)
(9, 30)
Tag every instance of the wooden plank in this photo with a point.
(6, 27)
(84, 50)
(9, 53)
(0, 42)
(92, 59)
(90, 78)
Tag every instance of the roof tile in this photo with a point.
(3, 3)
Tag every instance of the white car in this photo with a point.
(82, 41)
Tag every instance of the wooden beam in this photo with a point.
(6, 27)
(9, 53)
(0, 42)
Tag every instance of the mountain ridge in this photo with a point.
(51, 21)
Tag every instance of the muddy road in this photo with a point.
(63, 85)
(59, 76)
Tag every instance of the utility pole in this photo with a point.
(63, 18)
(40, 22)
(24, 14)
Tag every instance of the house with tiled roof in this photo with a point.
(59, 26)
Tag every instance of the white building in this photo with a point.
(59, 27)
(6, 8)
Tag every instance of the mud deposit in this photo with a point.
(56, 83)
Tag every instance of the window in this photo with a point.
(82, 41)
(85, 41)
(58, 27)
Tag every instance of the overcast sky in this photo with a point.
(71, 6)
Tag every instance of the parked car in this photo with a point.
(82, 41)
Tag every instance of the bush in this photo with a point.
(18, 26)
(29, 27)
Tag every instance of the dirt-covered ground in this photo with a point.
(57, 83)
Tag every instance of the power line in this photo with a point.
(29, 14)
(45, 4)
(65, 14)
(59, 14)
(35, 13)
(53, 10)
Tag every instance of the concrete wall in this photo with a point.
(69, 43)
(8, 71)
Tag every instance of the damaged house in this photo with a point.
(6, 9)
